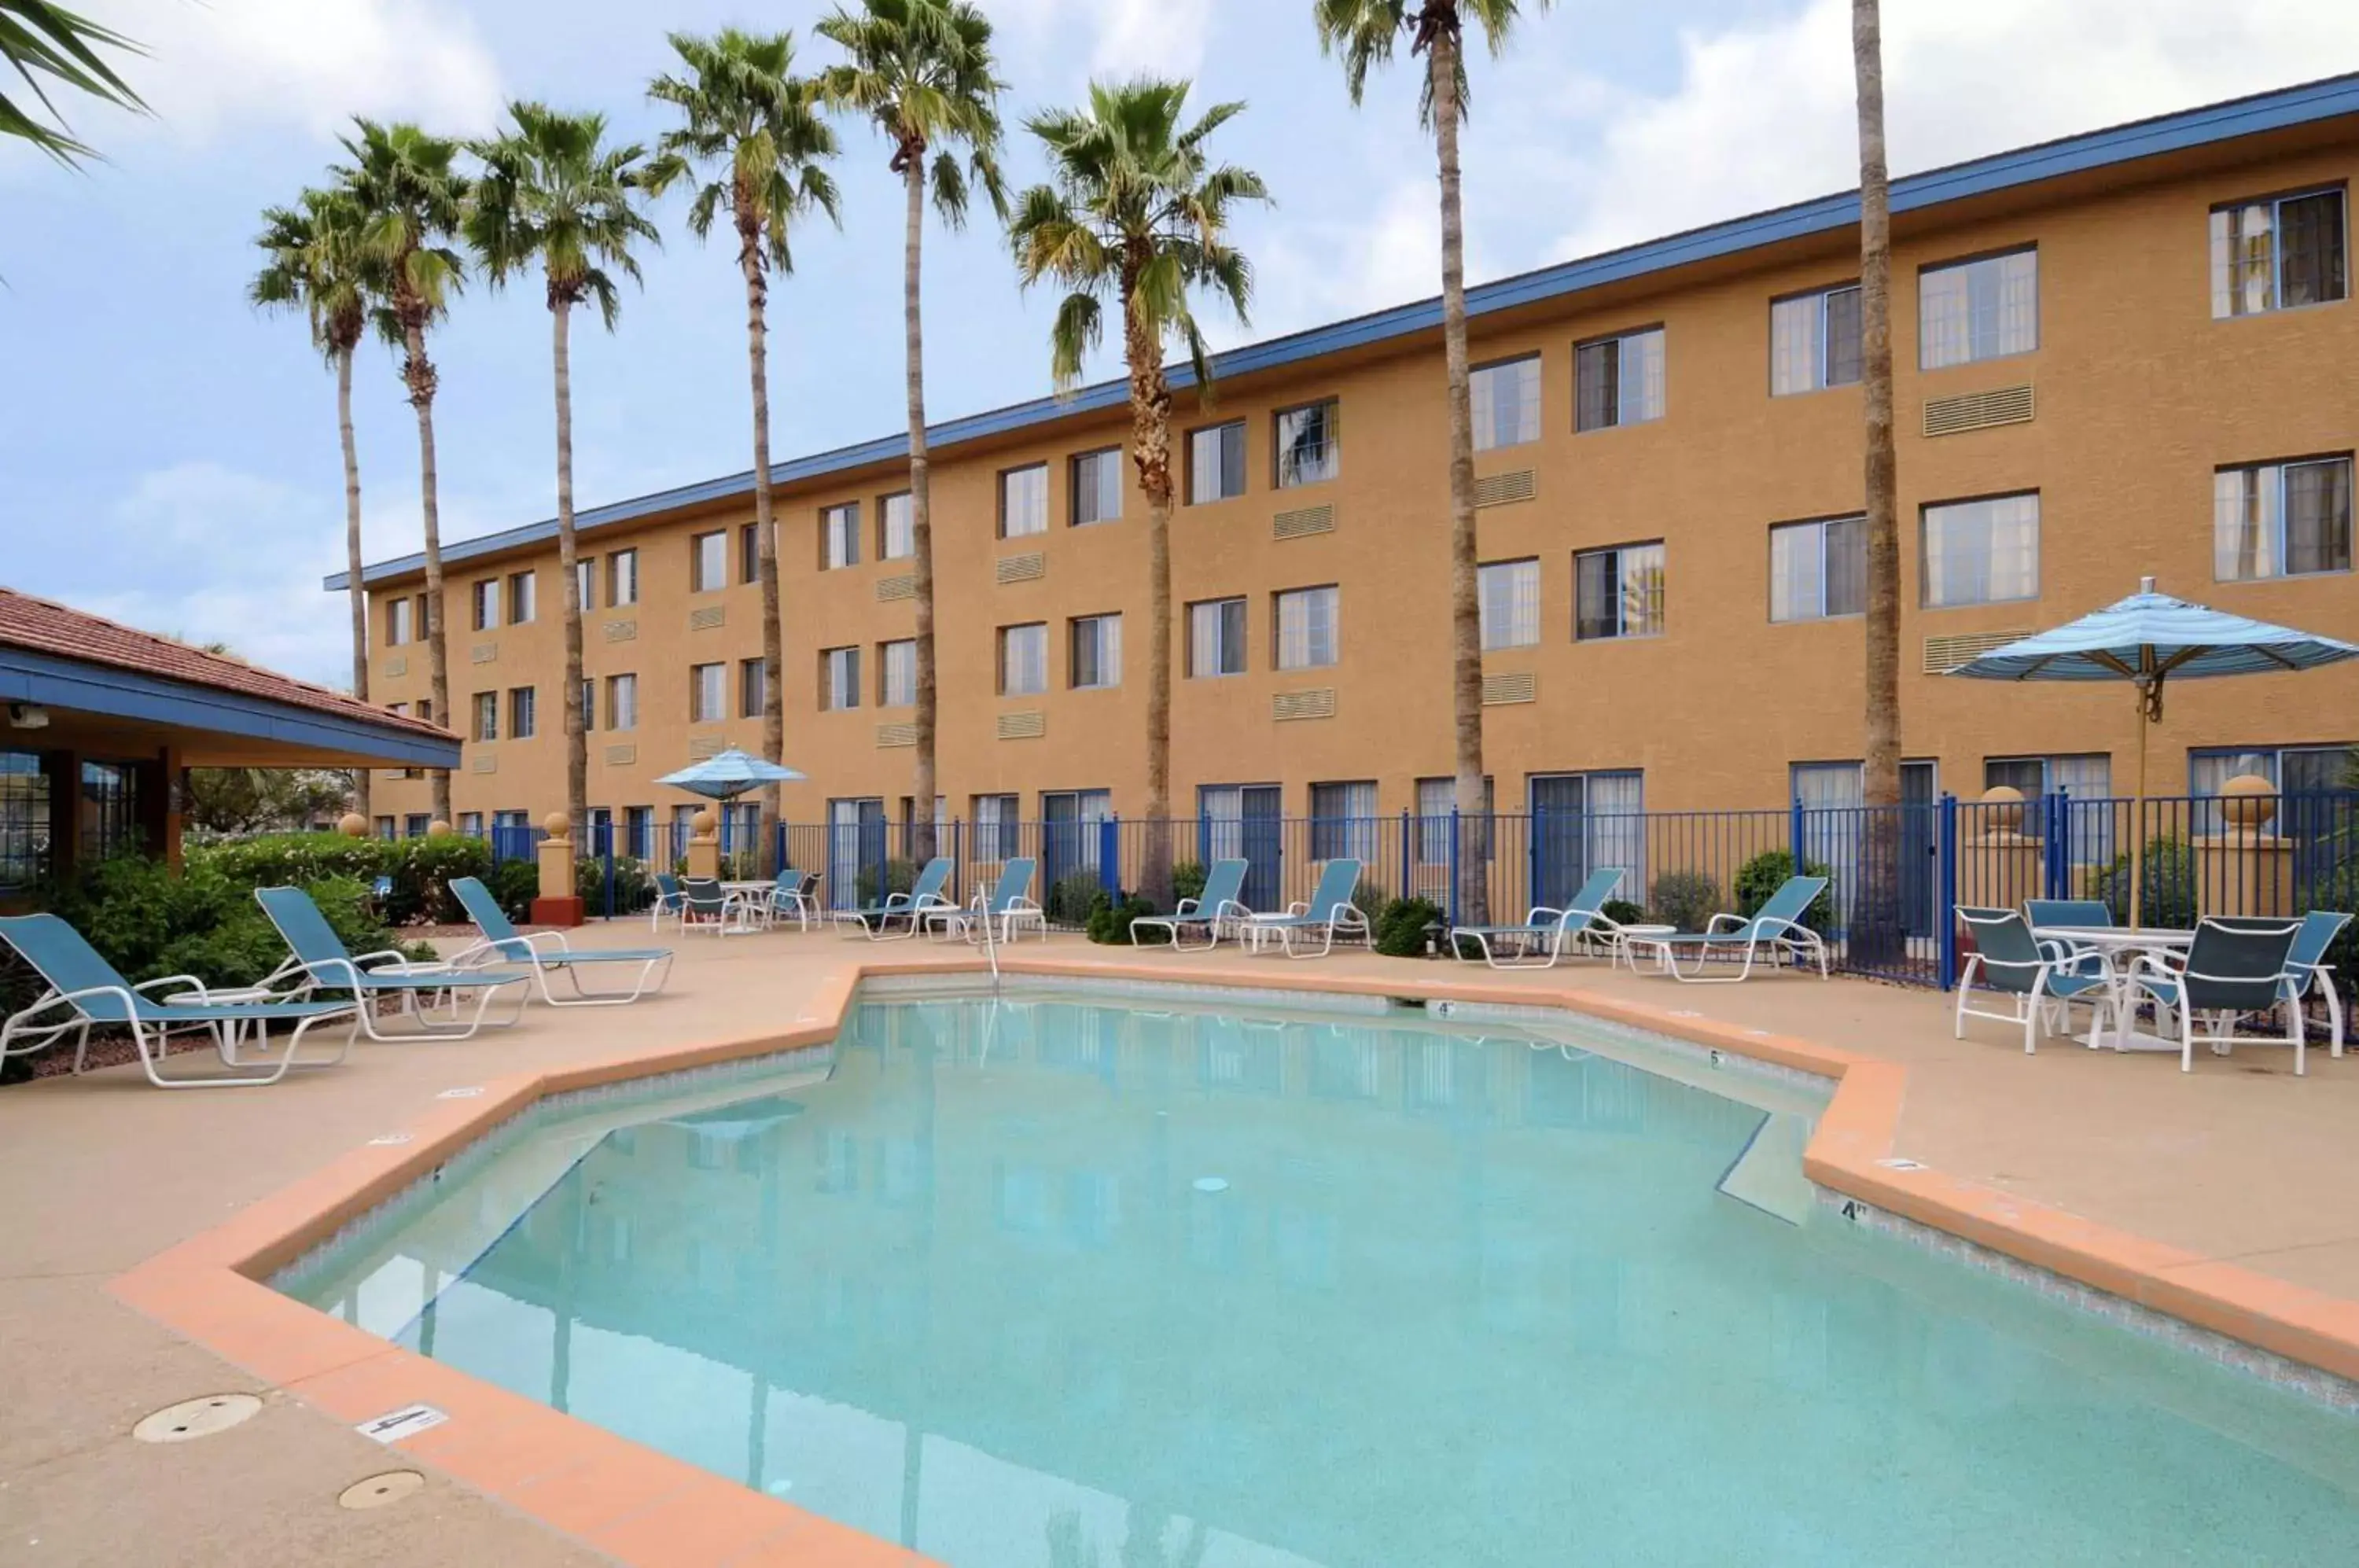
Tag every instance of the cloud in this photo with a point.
(1119, 37)
(1312, 271)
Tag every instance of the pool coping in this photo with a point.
(651, 1510)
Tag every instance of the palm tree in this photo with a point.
(411, 199)
(40, 38)
(922, 70)
(1880, 782)
(314, 264)
(1365, 32)
(757, 127)
(1134, 209)
(551, 192)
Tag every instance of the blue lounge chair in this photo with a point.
(84, 989)
(1538, 942)
(1775, 930)
(877, 920)
(2042, 984)
(2306, 970)
(1220, 906)
(2232, 968)
(1329, 913)
(549, 953)
(321, 961)
(1008, 904)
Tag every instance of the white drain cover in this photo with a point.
(379, 1490)
(1210, 1184)
(197, 1418)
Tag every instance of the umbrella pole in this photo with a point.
(2137, 826)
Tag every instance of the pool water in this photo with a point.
(1053, 1282)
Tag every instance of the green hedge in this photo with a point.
(421, 868)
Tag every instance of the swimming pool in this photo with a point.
(1069, 1278)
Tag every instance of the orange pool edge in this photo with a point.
(646, 1509)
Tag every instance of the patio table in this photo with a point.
(2118, 945)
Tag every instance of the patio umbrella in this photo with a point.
(728, 774)
(2147, 640)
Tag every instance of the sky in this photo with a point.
(168, 456)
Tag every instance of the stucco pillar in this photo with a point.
(559, 901)
(2244, 869)
(1999, 867)
(704, 844)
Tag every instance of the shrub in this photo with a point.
(298, 860)
(424, 868)
(1622, 912)
(1761, 875)
(1109, 922)
(1400, 930)
(1188, 879)
(515, 884)
(1685, 900)
(1073, 896)
(896, 876)
(634, 887)
(2167, 896)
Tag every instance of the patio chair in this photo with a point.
(321, 961)
(1329, 913)
(1009, 903)
(668, 900)
(1776, 928)
(85, 990)
(703, 901)
(2230, 969)
(2306, 970)
(2042, 984)
(875, 920)
(1220, 904)
(2095, 913)
(1538, 942)
(795, 897)
(549, 953)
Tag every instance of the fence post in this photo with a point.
(1408, 865)
(1794, 835)
(958, 859)
(1110, 855)
(1454, 851)
(606, 859)
(2055, 833)
(1946, 891)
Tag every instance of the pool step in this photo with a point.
(1768, 1174)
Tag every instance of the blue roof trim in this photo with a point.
(56, 682)
(2277, 109)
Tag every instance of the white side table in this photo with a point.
(1636, 937)
(233, 1033)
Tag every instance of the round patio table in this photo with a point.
(2119, 945)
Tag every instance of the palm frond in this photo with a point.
(39, 38)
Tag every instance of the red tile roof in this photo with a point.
(44, 626)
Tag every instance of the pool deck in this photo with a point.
(2222, 1196)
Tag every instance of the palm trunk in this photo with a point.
(766, 541)
(352, 561)
(577, 742)
(1150, 428)
(1880, 785)
(923, 783)
(418, 371)
(1466, 603)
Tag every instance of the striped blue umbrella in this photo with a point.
(2147, 639)
(728, 774)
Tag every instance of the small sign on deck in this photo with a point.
(407, 1422)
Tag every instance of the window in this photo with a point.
(998, 827)
(24, 819)
(523, 712)
(585, 583)
(1982, 552)
(1310, 447)
(425, 709)
(1024, 501)
(2278, 253)
(622, 579)
(1095, 654)
(1216, 463)
(415, 824)
(586, 699)
(1510, 596)
(2085, 777)
(1978, 310)
(839, 679)
(2297, 771)
(638, 832)
(1814, 341)
(1306, 629)
(1024, 660)
(707, 693)
(398, 621)
(1216, 638)
(487, 715)
(1097, 487)
(897, 527)
(383, 827)
(1618, 593)
(523, 595)
(1507, 400)
(749, 552)
(1818, 570)
(838, 536)
(622, 701)
(471, 823)
(750, 689)
(1436, 799)
(707, 562)
(896, 673)
(1618, 380)
(2281, 519)
(484, 606)
(1343, 820)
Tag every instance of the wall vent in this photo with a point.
(1302, 522)
(702, 746)
(1030, 726)
(1312, 702)
(1515, 686)
(484, 653)
(486, 762)
(1029, 568)
(622, 756)
(897, 734)
(904, 586)
(1506, 489)
(1943, 654)
(711, 616)
(1978, 410)
(398, 665)
(621, 631)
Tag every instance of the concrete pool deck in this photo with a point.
(2217, 1192)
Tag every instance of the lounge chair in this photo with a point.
(1220, 905)
(2041, 983)
(1009, 903)
(1538, 942)
(549, 953)
(2230, 969)
(1329, 913)
(875, 921)
(84, 989)
(321, 961)
(2306, 970)
(1775, 930)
